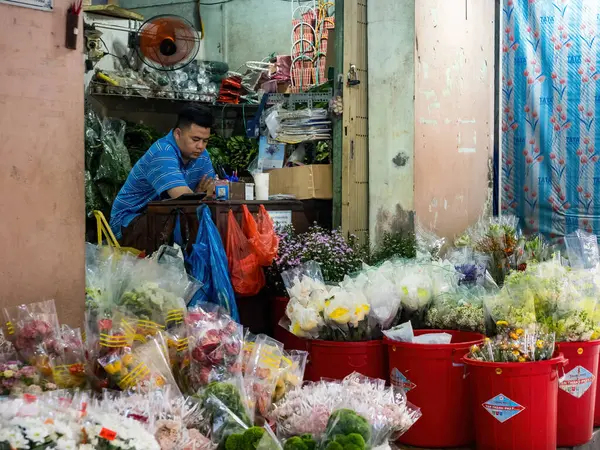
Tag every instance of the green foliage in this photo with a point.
(343, 423)
(234, 153)
(252, 439)
(229, 395)
(393, 245)
(304, 442)
(352, 441)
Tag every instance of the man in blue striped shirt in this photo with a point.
(175, 165)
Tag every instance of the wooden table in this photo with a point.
(159, 213)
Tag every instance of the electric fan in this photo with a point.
(166, 42)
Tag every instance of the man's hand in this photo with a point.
(206, 184)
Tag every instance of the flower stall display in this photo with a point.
(61, 423)
(378, 286)
(291, 374)
(33, 330)
(336, 255)
(470, 264)
(156, 295)
(461, 309)
(496, 237)
(68, 361)
(418, 284)
(214, 348)
(144, 369)
(357, 405)
(107, 340)
(261, 372)
(514, 344)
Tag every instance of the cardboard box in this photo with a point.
(304, 182)
(237, 191)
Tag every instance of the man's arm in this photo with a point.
(207, 183)
(165, 176)
(179, 191)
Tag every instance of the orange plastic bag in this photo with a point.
(247, 276)
(261, 235)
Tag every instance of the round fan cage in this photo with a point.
(167, 42)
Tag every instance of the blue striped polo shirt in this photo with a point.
(160, 169)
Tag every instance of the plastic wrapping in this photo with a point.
(496, 237)
(470, 264)
(429, 245)
(356, 405)
(458, 310)
(262, 372)
(401, 333)
(378, 286)
(247, 276)
(33, 329)
(156, 295)
(574, 318)
(308, 295)
(419, 284)
(214, 348)
(106, 338)
(261, 235)
(514, 344)
(145, 369)
(291, 375)
(582, 250)
(68, 359)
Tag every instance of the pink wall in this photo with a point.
(41, 162)
(454, 115)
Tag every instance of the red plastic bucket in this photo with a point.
(577, 393)
(278, 306)
(433, 377)
(336, 360)
(514, 404)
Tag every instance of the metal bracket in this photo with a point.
(353, 76)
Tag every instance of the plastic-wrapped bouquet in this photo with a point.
(308, 295)
(291, 373)
(338, 313)
(461, 309)
(214, 347)
(34, 329)
(106, 339)
(377, 285)
(496, 237)
(514, 344)
(357, 405)
(68, 361)
(419, 284)
(574, 317)
(261, 372)
(470, 264)
(156, 295)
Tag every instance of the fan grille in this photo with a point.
(167, 42)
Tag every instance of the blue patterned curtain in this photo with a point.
(550, 99)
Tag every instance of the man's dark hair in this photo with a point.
(200, 115)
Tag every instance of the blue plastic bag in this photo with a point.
(207, 263)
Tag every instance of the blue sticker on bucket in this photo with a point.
(502, 408)
(577, 381)
(399, 380)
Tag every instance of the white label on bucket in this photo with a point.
(502, 408)
(399, 380)
(577, 381)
